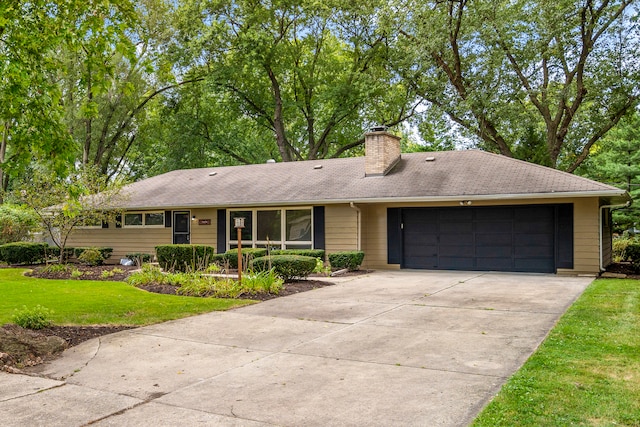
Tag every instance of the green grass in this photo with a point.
(84, 302)
(586, 373)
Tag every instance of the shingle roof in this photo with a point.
(470, 174)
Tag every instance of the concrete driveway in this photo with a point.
(388, 348)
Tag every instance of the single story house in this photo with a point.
(453, 210)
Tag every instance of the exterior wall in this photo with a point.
(128, 239)
(204, 234)
(607, 238)
(122, 240)
(341, 228)
(586, 231)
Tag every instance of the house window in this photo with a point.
(144, 219)
(276, 228)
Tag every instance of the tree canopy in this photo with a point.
(140, 88)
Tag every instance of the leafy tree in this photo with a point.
(30, 113)
(310, 74)
(540, 80)
(63, 204)
(16, 222)
(616, 161)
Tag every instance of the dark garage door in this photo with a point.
(516, 238)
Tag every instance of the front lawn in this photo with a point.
(587, 372)
(86, 302)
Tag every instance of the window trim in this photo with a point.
(254, 228)
(144, 216)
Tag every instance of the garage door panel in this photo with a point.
(455, 239)
(456, 263)
(495, 239)
(533, 239)
(533, 265)
(533, 251)
(495, 264)
(494, 226)
(459, 251)
(456, 227)
(421, 262)
(494, 252)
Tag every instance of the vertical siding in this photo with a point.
(341, 228)
(607, 238)
(586, 236)
(374, 237)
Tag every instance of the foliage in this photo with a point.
(149, 274)
(584, 372)
(247, 255)
(620, 245)
(23, 253)
(615, 160)
(139, 257)
(184, 257)
(105, 252)
(546, 86)
(16, 222)
(91, 256)
(633, 254)
(76, 274)
(346, 259)
(56, 268)
(63, 205)
(37, 317)
(267, 281)
(288, 267)
(314, 253)
(89, 302)
(321, 268)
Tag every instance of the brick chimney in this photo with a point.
(382, 151)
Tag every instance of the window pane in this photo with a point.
(133, 219)
(299, 225)
(246, 231)
(156, 218)
(299, 246)
(269, 226)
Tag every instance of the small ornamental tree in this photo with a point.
(63, 204)
(16, 222)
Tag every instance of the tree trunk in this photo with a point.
(3, 152)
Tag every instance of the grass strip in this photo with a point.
(587, 371)
(86, 302)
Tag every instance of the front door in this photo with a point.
(181, 226)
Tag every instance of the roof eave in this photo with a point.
(608, 196)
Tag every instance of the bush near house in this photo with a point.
(247, 255)
(314, 253)
(93, 255)
(347, 259)
(24, 252)
(288, 267)
(184, 257)
(633, 254)
(139, 257)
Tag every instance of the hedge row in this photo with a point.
(287, 267)
(26, 252)
(347, 259)
(184, 257)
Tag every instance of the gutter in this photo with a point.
(619, 205)
(358, 222)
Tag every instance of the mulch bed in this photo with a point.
(624, 268)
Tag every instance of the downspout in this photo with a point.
(619, 205)
(358, 231)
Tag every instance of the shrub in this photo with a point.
(347, 259)
(633, 253)
(91, 257)
(23, 253)
(247, 255)
(184, 257)
(139, 258)
(150, 274)
(16, 223)
(76, 274)
(288, 267)
(37, 317)
(266, 281)
(104, 253)
(315, 253)
(56, 268)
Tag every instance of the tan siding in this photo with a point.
(204, 234)
(341, 228)
(122, 240)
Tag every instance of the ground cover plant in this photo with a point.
(587, 371)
